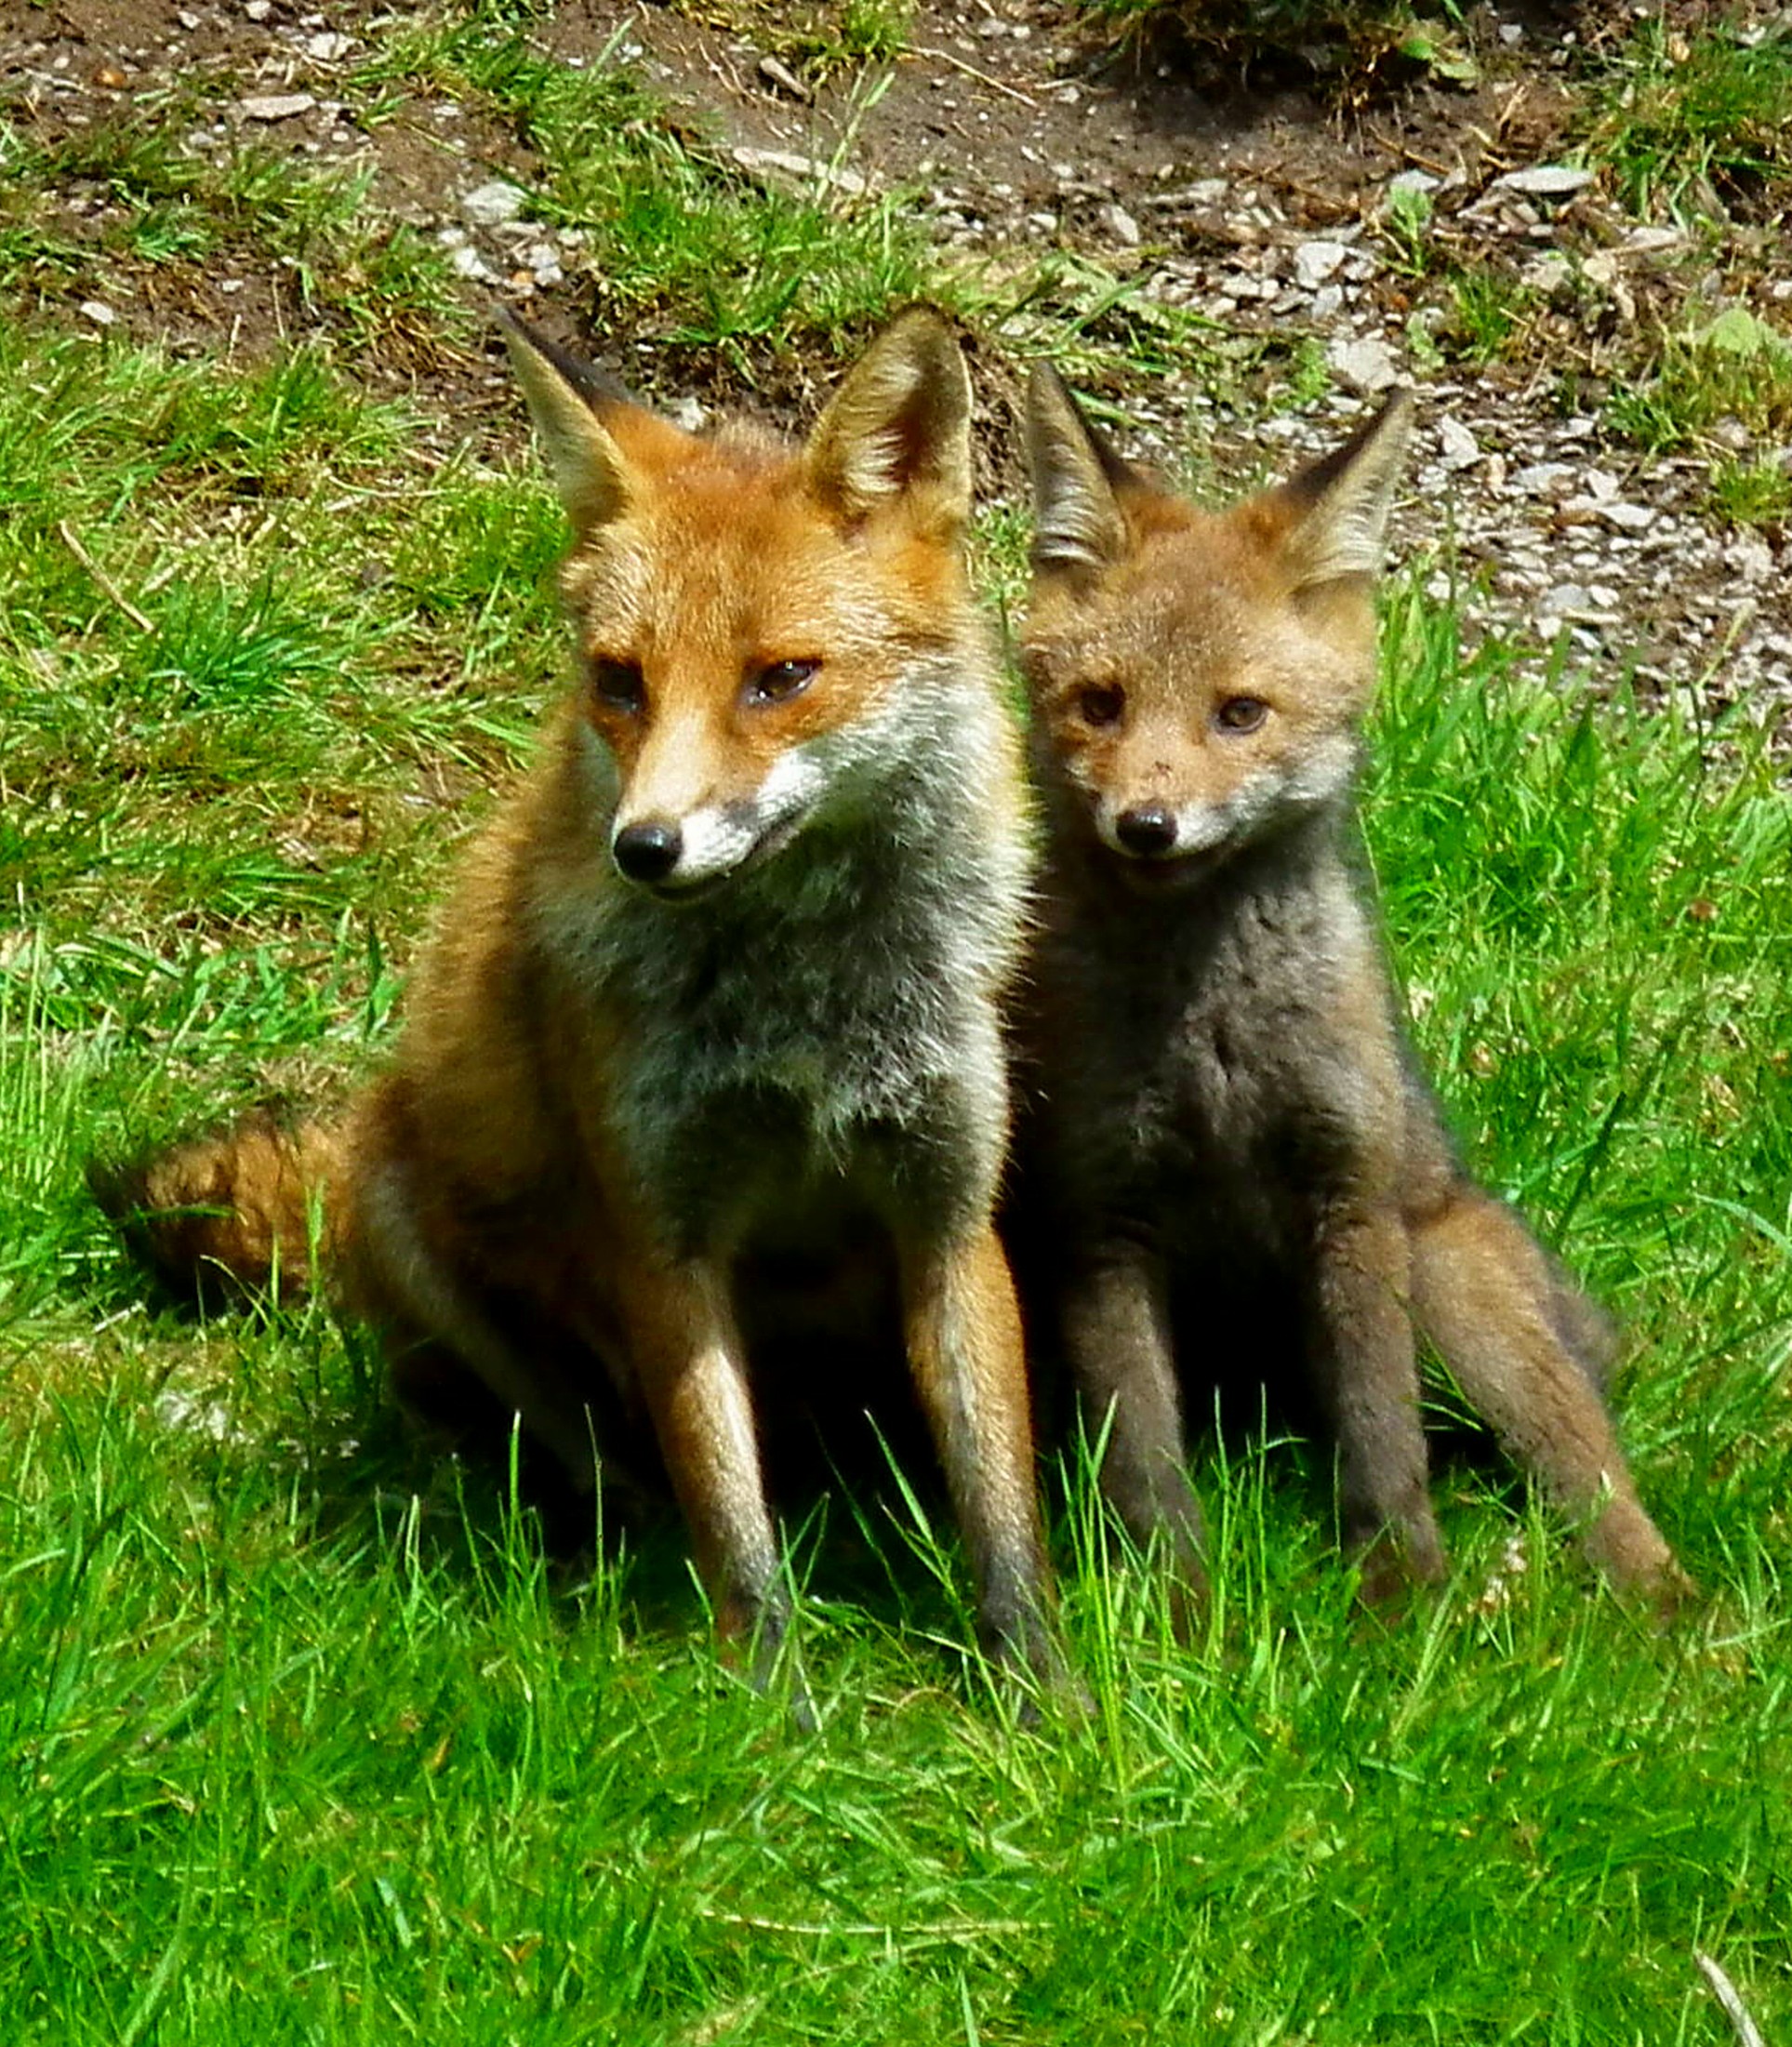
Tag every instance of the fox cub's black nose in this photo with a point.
(1149, 830)
(648, 851)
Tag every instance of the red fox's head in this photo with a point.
(1197, 677)
(745, 612)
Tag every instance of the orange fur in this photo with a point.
(717, 989)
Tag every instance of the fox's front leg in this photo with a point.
(1367, 1370)
(687, 1354)
(963, 1327)
(1116, 1325)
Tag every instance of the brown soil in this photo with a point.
(1013, 135)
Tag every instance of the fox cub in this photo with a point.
(716, 995)
(1231, 1150)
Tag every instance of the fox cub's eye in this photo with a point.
(1241, 714)
(1101, 704)
(618, 683)
(780, 679)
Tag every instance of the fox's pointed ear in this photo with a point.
(899, 426)
(1332, 518)
(1078, 523)
(590, 470)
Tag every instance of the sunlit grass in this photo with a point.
(302, 1739)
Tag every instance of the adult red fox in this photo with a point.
(719, 985)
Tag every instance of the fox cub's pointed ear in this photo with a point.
(1332, 518)
(899, 426)
(1077, 521)
(590, 470)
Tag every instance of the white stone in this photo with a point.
(1366, 364)
(1751, 556)
(1412, 180)
(1547, 273)
(1627, 518)
(98, 312)
(485, 206)
(275, 106)
(803, 169)
(1120, 225)
(1545, 181)
(1315, 261)
(328, 46)
(1544, 479)
(1460, 447)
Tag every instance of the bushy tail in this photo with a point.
(238, 1214)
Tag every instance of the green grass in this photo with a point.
(301, 1738)
(822, 36)
(1694, 122)
(145, 198)
(1733, 372)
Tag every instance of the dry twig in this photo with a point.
(1731, 1999)
(102, 582)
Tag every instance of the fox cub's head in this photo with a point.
(1197, 678)
(747, 615)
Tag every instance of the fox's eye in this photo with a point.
(618, 683)
(1101, 704)
(1241, 714)
(779, 680)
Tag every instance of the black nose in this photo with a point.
(1149, 830)
(648, 851)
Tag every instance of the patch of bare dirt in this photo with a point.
(1264, 211)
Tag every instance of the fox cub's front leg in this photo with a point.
(1367, 1375)
(1116, 1330)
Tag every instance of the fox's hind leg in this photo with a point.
(1529, 1353)
(398, 1278)
(1115, 1329)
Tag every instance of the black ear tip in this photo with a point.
(514, 328)
(597, 387)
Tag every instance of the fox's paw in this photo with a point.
(1637, 1563)
(1395, 1563)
